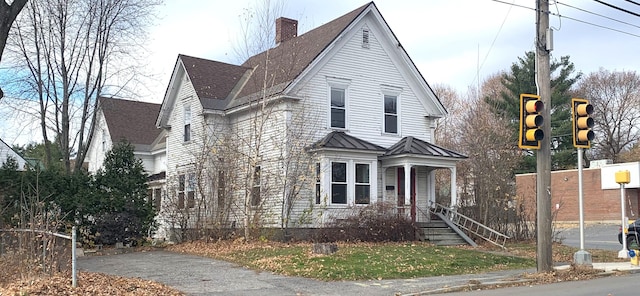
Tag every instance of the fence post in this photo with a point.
(74, 281)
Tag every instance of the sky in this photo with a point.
(452, 42)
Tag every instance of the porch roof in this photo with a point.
(341, 140)
(411, 145)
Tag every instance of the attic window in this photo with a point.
(365, 38)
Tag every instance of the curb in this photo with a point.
(477, 285)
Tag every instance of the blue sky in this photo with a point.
(452, 42)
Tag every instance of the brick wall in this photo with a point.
(599, 205)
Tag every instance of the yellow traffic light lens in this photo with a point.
(534, 135)
(585, 135)
(534, 106)
(584, 109)
(584, 122)
(534, 120)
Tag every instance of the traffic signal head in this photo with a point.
(582, 123)
(531, 121)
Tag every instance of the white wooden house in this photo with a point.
(133, 121)
(344, 97)
(6, 153)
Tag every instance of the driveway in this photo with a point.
(196, 275)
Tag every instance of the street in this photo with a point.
(626, 285)
(597, 236)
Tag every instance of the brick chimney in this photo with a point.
(286, 29)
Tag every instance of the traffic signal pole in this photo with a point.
(543, 159)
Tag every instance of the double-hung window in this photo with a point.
(318, 184)
(181, 187)
(338, 108)
(339, 183)
(191, 190)
(363, 184)
(255, 190)
(187, 123)
(390, 114)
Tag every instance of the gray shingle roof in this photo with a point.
(411, 145)
(340, 140)
(213, 81)
(287, 60)
(131, 120)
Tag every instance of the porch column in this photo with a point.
(384, 184)
(454, 193)
(432, 188)
(407, 184)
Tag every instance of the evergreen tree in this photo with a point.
(123, 211)
(521, 79)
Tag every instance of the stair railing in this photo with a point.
(470, 225)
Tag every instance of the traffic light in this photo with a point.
(531, 121)
(582, 123)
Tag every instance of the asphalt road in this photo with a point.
(626, 285)
(597, 236)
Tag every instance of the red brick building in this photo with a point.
(601, 195)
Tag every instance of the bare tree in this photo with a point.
(615, 97)
(72, 53)
(8, 14)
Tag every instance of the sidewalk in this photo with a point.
(516, 276)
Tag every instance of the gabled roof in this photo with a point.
(213, 81)
(286, 61)
(341, 140)
(222, 86)
(411, 145)
(131, 120)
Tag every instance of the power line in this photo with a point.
(634, 2)
(618, 8)
(572, 18)
(600, 15)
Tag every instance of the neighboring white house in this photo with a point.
(119, 119)
(344, 97)
(7, 152)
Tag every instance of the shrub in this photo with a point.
(378, 222)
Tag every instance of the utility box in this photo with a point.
(623, 177)
(608, 175)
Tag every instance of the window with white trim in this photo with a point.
(338, 107)
(187, 123)
(363, 184)
(318, 184)
(255, 191)
(157, 199)
(390, 114)
(191, 190)
(181, 187)
(339, 183)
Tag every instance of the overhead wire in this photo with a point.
(634, 2)
(597, 14)
(618, 8)
(572, 18)
(491, 46)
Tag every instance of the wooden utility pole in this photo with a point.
(543, 180)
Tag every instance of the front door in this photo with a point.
(412, 198)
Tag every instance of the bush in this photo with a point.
(121, 227)
(374, 223)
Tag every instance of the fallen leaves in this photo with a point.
(89, 283)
